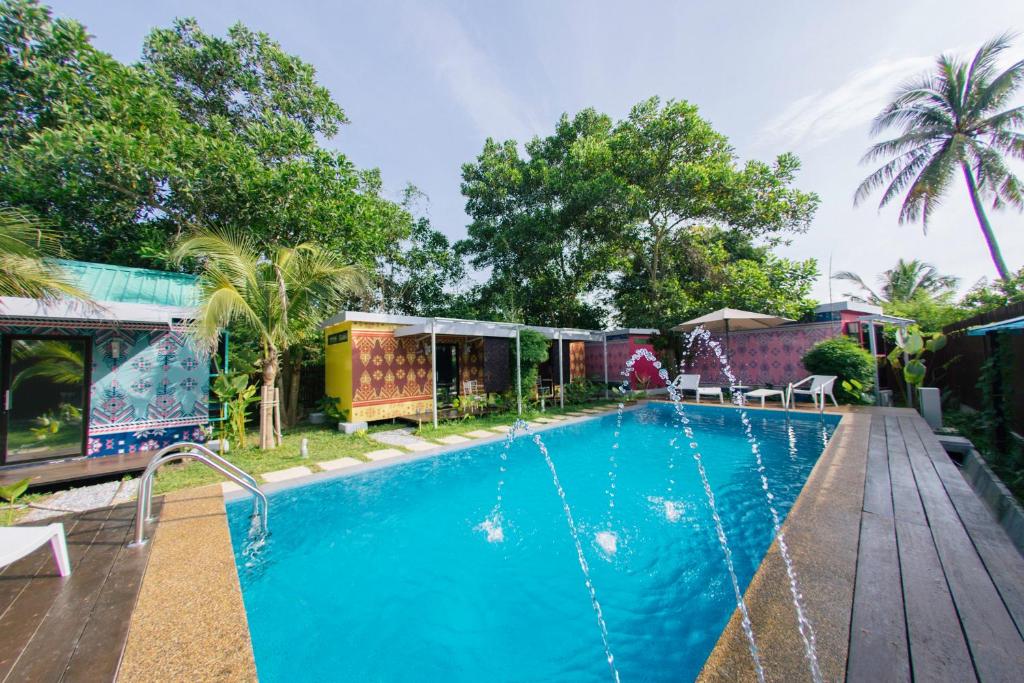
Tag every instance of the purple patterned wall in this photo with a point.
(761, 357)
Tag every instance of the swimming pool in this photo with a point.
(391, 574)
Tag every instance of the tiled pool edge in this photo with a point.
(822, 532)
(189, 623)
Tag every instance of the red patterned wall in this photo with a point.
(471, 361)
(619, 351)
(770, 356)
(577, 360)
(386, 369)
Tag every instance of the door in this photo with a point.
(447, 373)
(45, 397)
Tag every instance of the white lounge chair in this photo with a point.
(684, 383)
(18, 541)
(820, 387)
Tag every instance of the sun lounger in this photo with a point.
(18, 541)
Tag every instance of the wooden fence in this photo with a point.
(959, 365)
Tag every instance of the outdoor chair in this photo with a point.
(18, 541)
(684, 383)
(820, 386)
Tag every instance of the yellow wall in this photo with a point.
(338, 365)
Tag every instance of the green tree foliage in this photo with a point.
(601, 209)
(910, 289)
(203, 133)
(280, 293)
(953, 119)
(534, 349)
(25, 270)
(986, 296)
(844, 358)
(417, 275)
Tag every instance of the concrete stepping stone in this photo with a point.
(558, 418)
(421, 446)
(396, 437)
(501, 429)
(230, 487)
(384, 454)
(542, 420)
(339, 464)
(453, 439)
(286, 474)
(479, 434)
(575, 414)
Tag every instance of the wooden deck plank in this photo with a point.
(878, 637)
(27, 612)
(48, 654)
(101, 646)
(877, 486)
(1000, 556)
(938, 651)
(996, 646)
(906, 501)
(76, 468)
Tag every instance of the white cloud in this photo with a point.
(469, 74)
(823, 115)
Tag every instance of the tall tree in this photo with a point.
(906, 281)
(953, 119)
(205, 132)
(276, 292)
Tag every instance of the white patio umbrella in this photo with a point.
(731, 319)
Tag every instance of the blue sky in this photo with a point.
(424, 84)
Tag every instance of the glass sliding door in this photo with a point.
(45, 397)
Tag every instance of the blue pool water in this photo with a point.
(387, 576)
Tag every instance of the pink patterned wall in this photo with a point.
(760, 357)
(619, 351)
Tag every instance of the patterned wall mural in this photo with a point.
(619, 351)
(390, 376)
(760, 357)
(148, 388)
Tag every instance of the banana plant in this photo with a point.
(234, 391)
(914, 345)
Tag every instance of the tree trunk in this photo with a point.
(291, 399)
(986, 227)
(268, 439)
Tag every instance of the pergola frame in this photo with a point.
(883, 320)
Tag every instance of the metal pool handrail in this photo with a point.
(194, 451)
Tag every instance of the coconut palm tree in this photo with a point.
(25, 269)
(271, 289)
(953, 119)
(906, 281)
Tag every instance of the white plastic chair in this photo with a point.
(18, 541)
(820, 387)
(684, 383)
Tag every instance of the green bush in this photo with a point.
(534, 351)
(843, 357)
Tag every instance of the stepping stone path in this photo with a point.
(558, 418)
(285, 475)
(384, 454)
(501, 429)
(542, 420)
(453, 439)
(404, 438)
(339, 464)
(479, 434)
(575, 414)
(84, 498)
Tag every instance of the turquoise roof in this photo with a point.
(104, 282)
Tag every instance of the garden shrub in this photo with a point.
(534, 349)
(843, 357)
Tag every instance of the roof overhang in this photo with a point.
(457, 328)
(106, 311)
(1013, 326)
(886, 320)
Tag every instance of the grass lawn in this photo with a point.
(324, 444)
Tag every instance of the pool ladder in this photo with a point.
(187, 450)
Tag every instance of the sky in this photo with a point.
(424, 84)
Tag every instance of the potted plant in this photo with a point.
(914, 345)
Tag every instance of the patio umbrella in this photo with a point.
(731, 319)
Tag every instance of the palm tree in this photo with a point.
(273, 290)
(953, 118)
(906, 281)
(25, 269)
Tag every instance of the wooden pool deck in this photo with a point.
(73, 628)
(904, 571)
